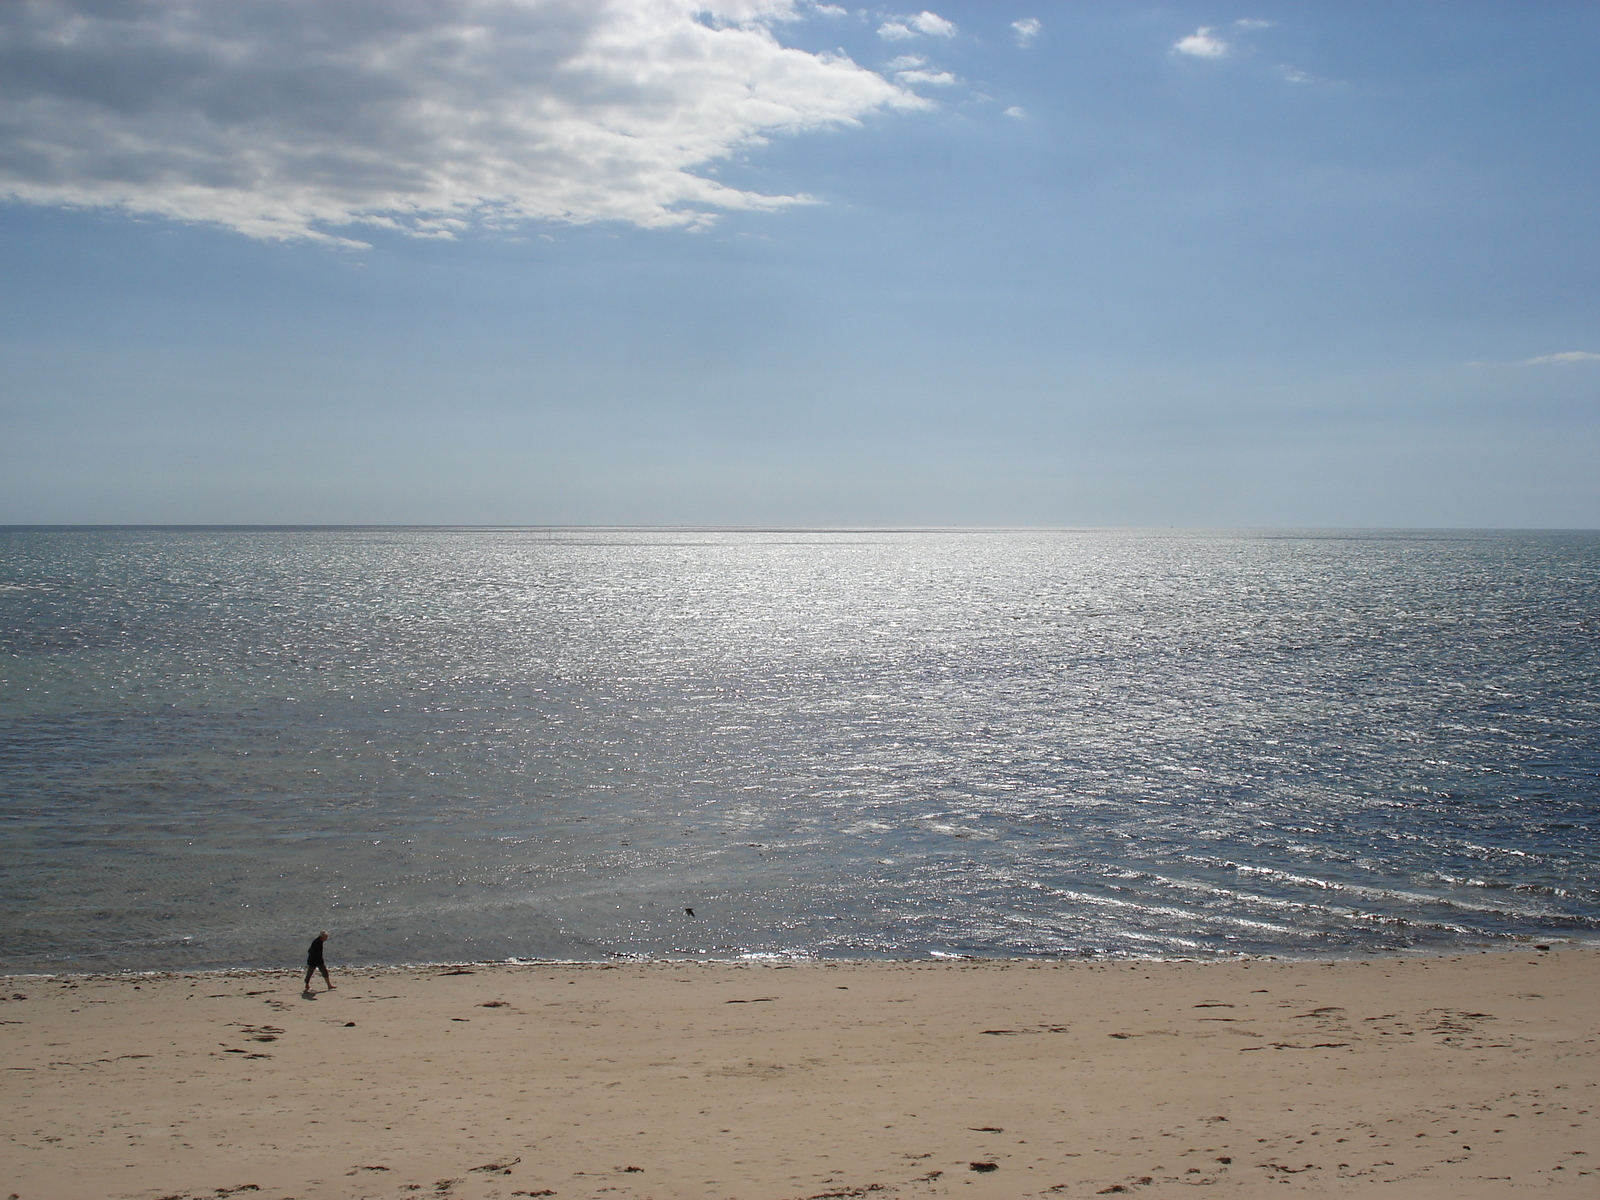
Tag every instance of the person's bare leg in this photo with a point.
(306, 986)
(325, 979)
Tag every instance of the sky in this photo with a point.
(772, 262)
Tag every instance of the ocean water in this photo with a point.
(448, 744)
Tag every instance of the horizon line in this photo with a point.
(467, 527)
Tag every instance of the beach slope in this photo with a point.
(1473, 1077)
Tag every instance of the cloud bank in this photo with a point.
(1566, 357)
(284, 118)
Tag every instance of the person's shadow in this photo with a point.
(308, 994)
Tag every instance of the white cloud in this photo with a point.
(1202, 43)
(1026, 30)
(1565, 357)
(1252, 23)
(281, 118)
(932, 78)
(1016, 113)
(933, 25)
(830, 10)
(905, 62)
(926, 23)
(1295, 74)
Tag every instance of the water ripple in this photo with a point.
(493, 743)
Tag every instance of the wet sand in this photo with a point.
(1475, 1076)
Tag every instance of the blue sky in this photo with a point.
(1034, 264)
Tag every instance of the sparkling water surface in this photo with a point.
(446, 744)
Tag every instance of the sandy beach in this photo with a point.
(1470, 1076)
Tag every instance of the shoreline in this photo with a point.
(1529, 945)
(1417, 1077)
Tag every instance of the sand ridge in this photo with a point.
(1470, 1076)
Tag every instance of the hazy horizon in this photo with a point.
(490, 526)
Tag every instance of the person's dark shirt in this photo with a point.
(314, 955)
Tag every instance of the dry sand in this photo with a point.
(1464, 1077)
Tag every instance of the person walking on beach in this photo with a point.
(314, 962)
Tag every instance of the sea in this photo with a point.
(480, 744)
